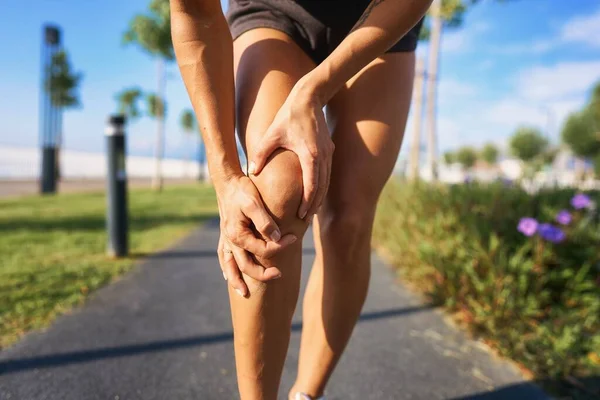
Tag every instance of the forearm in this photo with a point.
(382, 24)
(204, 52)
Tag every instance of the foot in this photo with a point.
(302, 396)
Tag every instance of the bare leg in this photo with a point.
(267, 65)
(368, 119)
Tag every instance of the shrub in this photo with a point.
(536, 298)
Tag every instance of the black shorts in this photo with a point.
(317, 26)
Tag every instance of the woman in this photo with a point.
(289, 59)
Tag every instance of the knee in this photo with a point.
(280, 186)
(346, 224)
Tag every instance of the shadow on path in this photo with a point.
(583, 388)
(74, 357)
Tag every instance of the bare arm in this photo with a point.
(382, 24)
(204, 52)
(300, 125)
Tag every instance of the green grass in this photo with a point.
(53, 249)
(535, 302)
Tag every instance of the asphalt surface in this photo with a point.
(164, 332)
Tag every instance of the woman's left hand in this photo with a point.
(300, 126)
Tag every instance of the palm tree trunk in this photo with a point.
(59, 141)
(415, 150)
(157, 182)
(188, 159)
(432, 80)
(200, 159)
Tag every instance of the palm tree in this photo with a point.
(443, 13)
(62, 86)
(127, 100)
(449, 13)
(152, 32)
(188, 124)
(156, 109)
(415, 150)
(432, 75)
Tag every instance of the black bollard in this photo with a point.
(48, 178)
(116, 187)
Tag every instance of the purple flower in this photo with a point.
(564, 217)
(551, 233)
(580, 201)
(527, 226)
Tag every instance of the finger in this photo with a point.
(268, 144)
(234, 276)
(220, 257)
(310, 177)
(246, 240)
(321, 188)
(247, 265)
(262, 221)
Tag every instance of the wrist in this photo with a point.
(314, 87)
(224, 173)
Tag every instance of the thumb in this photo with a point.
(268, 144)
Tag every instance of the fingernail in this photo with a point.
(303, 215)
(238, 291)
(277, 276)
(252, 168)
(276, 235)
(293, 239)
(224, 276)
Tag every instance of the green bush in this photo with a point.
(536, 301)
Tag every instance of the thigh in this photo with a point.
(367, 118)
(267, 64)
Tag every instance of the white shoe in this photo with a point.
(302, 396)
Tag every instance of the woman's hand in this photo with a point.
(242, 214)
(300, 126)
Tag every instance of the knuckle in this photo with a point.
(247, 202)
(266, 227)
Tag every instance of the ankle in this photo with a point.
(299, 395)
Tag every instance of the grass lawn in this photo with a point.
(53, 249)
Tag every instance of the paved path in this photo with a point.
(163, 332)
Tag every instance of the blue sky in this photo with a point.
(511, 63)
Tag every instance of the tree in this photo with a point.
(415, 150)
(127, 101)
(466, 156)
(62, 86)
(442, 13)
(489, 153)
(156, 106)
(152, 32)
(449, 157)
(527, 143)
(596, 162)
(582, 133)
(188, 124)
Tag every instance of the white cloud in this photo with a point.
(481, 27)
(535, 47)
(454, 42)
(509, 113)
(583, 29)
(453, 88)
(544, 83)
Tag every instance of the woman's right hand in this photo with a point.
(242, 213)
